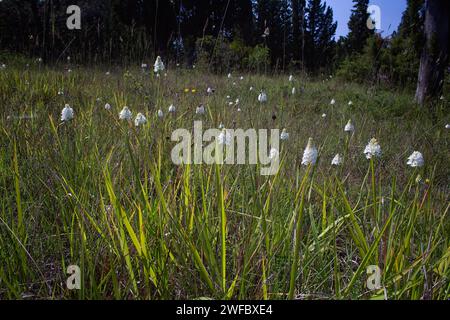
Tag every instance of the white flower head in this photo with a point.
(160, 114)
(241, 78)
(291, 78)
(447, 126)
(209, 90)
(324, 115)
(262, 97)
(416, 160)
(144, 66)
(67, 113)
(125, 114)
(221, 126)
(224, 138)
(140, 120)
(310, 154)
(284, 135)
(333, 102)
(107, 106)
(349, 127)
(200, 110)
(159, 65)
(172, 108)
(274, 154)
(251, 89)
(229, 76)
(337, 160)
(293, 91)
(373, 149)
(350, 103)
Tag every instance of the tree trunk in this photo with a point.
(435, 53)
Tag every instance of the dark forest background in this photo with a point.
(221, 35)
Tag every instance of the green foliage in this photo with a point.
(259, 58)
(104, 195)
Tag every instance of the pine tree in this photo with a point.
(320, 31)
(358, 30)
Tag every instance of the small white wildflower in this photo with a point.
(200, 110)
(251, 88)
(310, 153)
(140, 119)
(262, 97)
(416, 160)
(107, 73)
(228, 97)
(230, 103)
(333, 102)
(337, 160)
(324, 115)
(125, 114)
(266, 33)
(441, 98)
(159, 65)
(274, 154)
(373, 149)
(172, 108)
(241, 78)
(291, 78)
(229, 76)
(237, 101)
(60, 93)
(349, 127)
(284, 135)
(67, 113)
(221, 126)
(107, 106)
(350, 103)
(209, 90)
(239, 110)
(447, 126)
(69, 70)
(293, 91)
(224, 138)
(160, 113)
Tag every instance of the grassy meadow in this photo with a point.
(103, 194)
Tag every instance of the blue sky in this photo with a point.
(391, 14)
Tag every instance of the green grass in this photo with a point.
(101, 194)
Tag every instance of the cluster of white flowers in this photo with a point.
(415, 160)
(262, 97)
(67, 113)
(373, 149)
(200, 110)
(158, 67)
(284, 135)
(337, 160)
(125, 114)
(224, 138)
(349, 127)
(310, 154)
(273, 154)
(140, 120)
